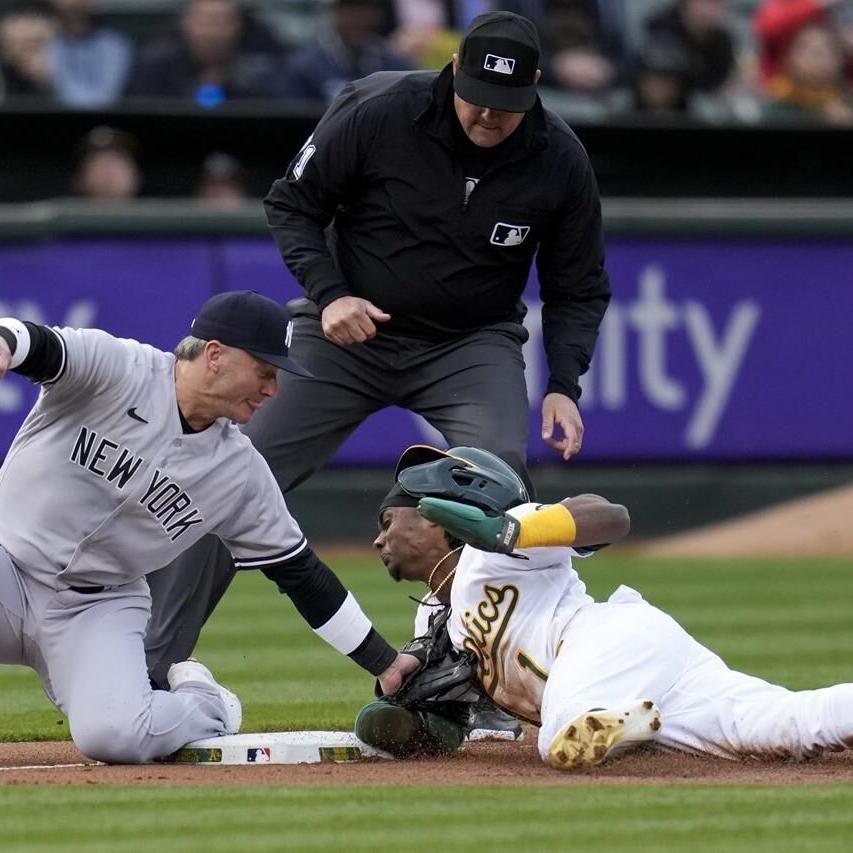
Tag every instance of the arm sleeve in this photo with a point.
(320, 180)
(70, 363)
(39, 350)
(331, 611)
(574, 286)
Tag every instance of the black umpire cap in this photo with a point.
(246, 320)
(498, 61)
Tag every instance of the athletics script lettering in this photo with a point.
(485, 629)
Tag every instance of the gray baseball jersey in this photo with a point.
(101, 484)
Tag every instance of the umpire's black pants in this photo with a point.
(471, 389)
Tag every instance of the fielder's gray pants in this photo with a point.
(471, 389)
(88, 651)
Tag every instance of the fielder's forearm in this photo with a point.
(37, 351)
(332, 611)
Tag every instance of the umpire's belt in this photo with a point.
(87, 590)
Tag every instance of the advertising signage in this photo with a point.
(710, 350)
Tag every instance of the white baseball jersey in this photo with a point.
(101, 485)
(428, 605)
(511, 613)
(549, 653)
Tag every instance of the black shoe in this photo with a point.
(488, 722)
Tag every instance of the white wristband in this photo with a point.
(347, 629)
(22, 339)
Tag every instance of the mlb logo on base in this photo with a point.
(505, 234)
(261, 755)
(499, 64)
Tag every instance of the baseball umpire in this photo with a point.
(597, 677)
(437, 190)
(129, 456)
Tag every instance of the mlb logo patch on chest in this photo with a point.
(505, 234)
(499, 64)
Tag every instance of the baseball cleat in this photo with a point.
(192, 672)
(488, 722)
(589, 739)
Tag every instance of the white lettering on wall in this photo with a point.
(656, 321)
(719, 364)
(653, 318)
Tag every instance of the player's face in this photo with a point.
(408, 545)
(244, 383)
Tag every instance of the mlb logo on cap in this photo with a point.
(499, 64)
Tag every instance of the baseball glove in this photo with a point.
(446, 682)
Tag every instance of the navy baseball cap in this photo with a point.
(498, 60)
(246, 320)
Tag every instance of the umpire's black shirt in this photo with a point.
(387, 164)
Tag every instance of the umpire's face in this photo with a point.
(409, 545)
(483, 126)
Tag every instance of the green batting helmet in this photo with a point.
(467, 474)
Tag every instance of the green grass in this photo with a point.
(700, 818)
(788, 621)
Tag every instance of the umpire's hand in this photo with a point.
(560, 411)
(351, 320)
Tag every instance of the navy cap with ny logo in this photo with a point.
(246, 320)
(498, 61)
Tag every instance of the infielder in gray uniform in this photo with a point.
(129, 456)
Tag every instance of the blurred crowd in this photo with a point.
(722, 61)
(107, 166)
(716, 60)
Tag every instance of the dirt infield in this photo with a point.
(476, 764)
(816, 526)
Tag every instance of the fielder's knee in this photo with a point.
(112, 741)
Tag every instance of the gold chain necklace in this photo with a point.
(449, 575)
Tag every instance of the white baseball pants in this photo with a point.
(626, 649)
